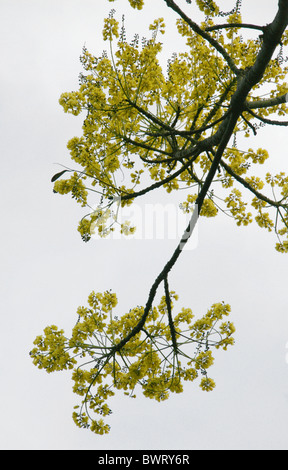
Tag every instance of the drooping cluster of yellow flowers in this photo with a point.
(140, 121)
(148, 361)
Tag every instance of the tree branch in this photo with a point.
(267, 121)
(143, 145)
(235, 25)
(204, 35)
(267, 103)
(149, 116)
(160, 183)
(170, 319)
(248, 186)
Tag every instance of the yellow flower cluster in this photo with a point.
(257, 157)
(239, 164)
(237, 208)
(51, 351)
(127, 229)
(207, 384)
(279, 181)
(237, 160)
(139, 116)
(208, 208)
(208, 7)
(100, 221)
(134, 3)
(110, 29)
(75, 186)
(158, 25)
(72, 102)
(149, 359)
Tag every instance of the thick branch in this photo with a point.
(235, 25)
(170, 319)
(267, 103)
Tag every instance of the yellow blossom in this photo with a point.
(207, 384)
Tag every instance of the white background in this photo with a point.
(47, 271)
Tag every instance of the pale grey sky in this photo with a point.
(47, 271)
